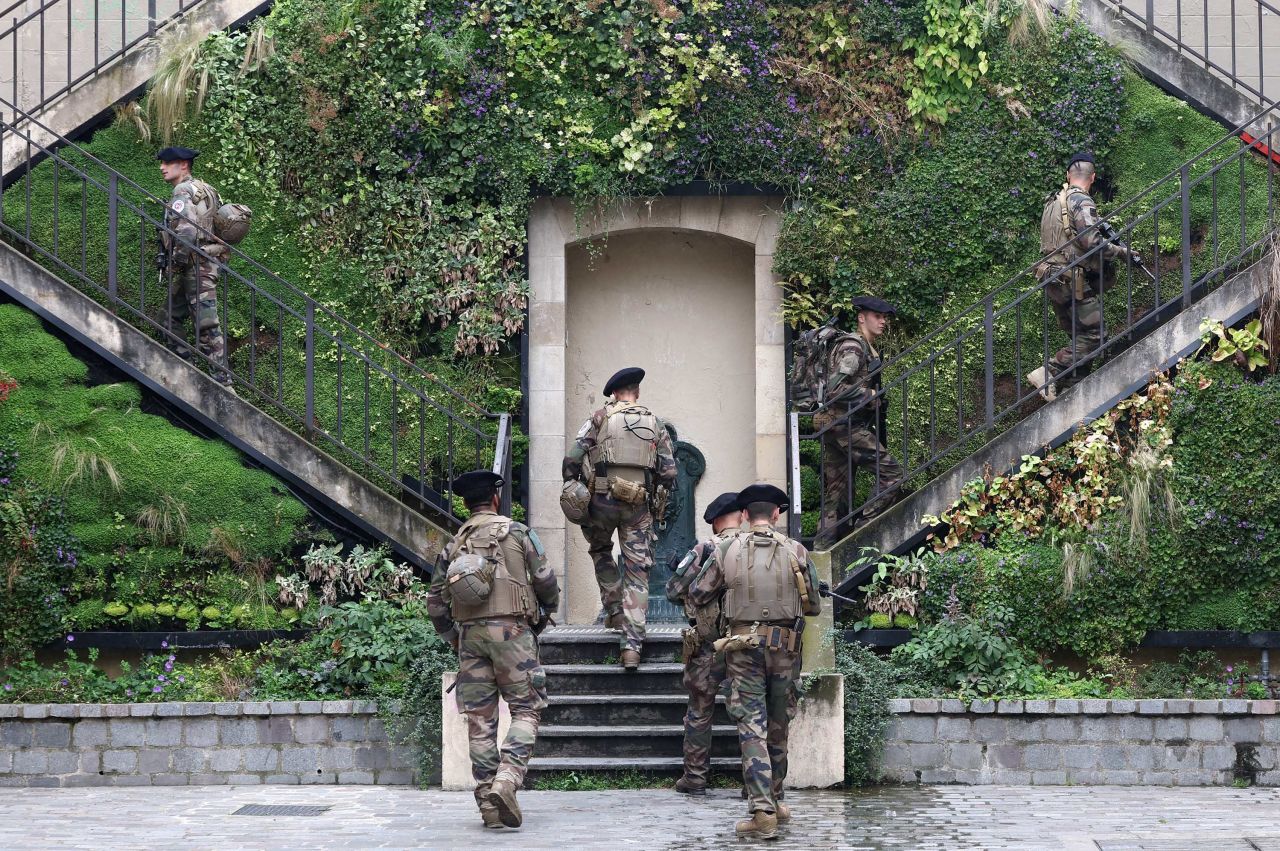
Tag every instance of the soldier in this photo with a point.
(1068, 231)
(703, 667)
(628, 460)
(494, 597)
(193, 288)
(765, 585)
(850, 424)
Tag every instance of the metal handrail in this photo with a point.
(1144, 13)
(58, 48)
(335, 371)
(940, 404)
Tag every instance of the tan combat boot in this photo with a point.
(685, 786)
(782, 813)
(1039, 379)
(489, 815)
(763, 825)
(630, 660)
(503, 796)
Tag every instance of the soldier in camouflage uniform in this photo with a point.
(766, 585)
(496, 640)
(703, 667)
(850, 423)
(193, 287)
(1068, 231)
(624, 454)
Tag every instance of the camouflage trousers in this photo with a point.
(844, 446)
(193, 292)
(499, 656)
(704, 671)
(1081, 318)
(762, 701)
(626, 589)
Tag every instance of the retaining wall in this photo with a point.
(197, 744)
(1084, 742)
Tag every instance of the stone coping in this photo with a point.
(933, 706)
(232, 708)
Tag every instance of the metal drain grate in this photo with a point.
(278, 810)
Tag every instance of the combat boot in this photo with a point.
(1039, 379)
(685, 786)
(630, 660)
(763, 825)
(782, 813)
(615, 620)
(489, 814)
(503, 796)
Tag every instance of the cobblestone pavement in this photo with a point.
(887, 819)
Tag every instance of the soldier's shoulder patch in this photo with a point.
(178, 205)
(537, 543)
(582, 432)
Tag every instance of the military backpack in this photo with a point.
(810, 366)
(487, 577)
(763, 579)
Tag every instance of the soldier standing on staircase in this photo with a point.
(489, 597)
(624, 455)
(191, 254)
(766, 585)
(1068, 231)
(703, 667)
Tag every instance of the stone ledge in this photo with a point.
(231, 708)
(1172, 706)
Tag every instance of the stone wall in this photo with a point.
(1084, 742)
(198, 744)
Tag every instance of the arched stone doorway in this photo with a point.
(684, 288)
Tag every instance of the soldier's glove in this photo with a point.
(544, 620)
(162, 260)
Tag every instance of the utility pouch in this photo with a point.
(690, 643)
(1078, 283)
(632, 493)
(749, 641)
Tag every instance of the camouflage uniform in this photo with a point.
(1076, 302)
(627, 590)
(704, 669)
(498, 656)
(763, 695)
(855, 442)
(193, 287)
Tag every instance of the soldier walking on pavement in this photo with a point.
(623, 453)
(491, 600)
(191, 253)
(703, 667)
(850, 424)
(1068, 231)
(766, 585)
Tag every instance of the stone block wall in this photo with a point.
(1084, 742)
(198, 744)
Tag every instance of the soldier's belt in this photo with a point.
(768, 637)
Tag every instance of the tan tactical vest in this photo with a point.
(204, 202)
(627, 441)
(1057, 236)
(512, 594)
(760, 573)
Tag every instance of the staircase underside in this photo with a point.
(283, 452)
(899, 529)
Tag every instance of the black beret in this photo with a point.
(870, 302)
(764, 493)
(1081, 157)
(176, 152)
(477, 485)
(725, 503)
(623, 378)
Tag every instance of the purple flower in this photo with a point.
(164, 644)
(8, 686)
(71, 638)
(157, 689)
(128, 692)
(182, 679)
(64, 682)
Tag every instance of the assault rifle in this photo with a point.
(1108, 232)
(824, 590)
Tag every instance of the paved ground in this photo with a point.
(890, 819)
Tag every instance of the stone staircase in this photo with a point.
(601, 719)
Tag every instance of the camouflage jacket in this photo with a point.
(850, 379)
(541, 579)
(1062, 249)
(586, 439)
(709, 585)
(690, 566)
(189, 219)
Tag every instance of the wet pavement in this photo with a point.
(884, 819)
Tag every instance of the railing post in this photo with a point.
(793, 473)
(1184, 179)
(151, 18)
(989, 357)
(1151, 16)
(311, 365)
(501, 455)
(113, 246)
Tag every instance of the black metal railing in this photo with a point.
(1229, 37)
(300, 362)
(958, 386)
(52, 49)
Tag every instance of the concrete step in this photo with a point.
(660, 766)
(625, 741)
(595, 644)
(649, 678)
(605, 709)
